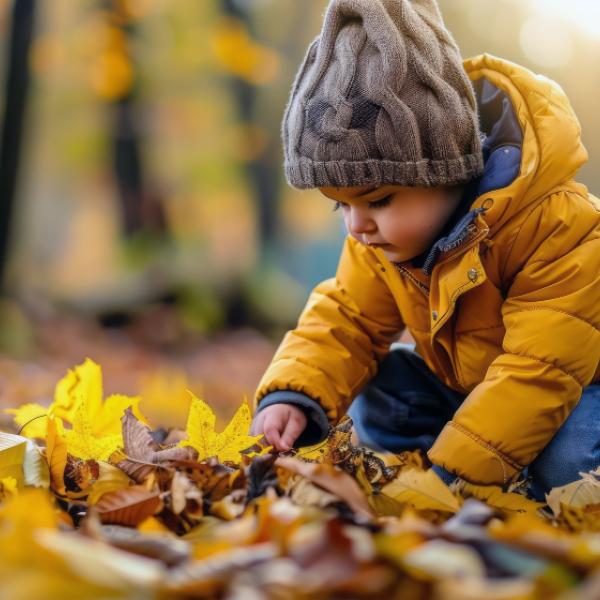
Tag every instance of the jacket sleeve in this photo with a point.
(343, 332)
(551, 348)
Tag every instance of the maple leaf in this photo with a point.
(84, 442)
(81, 385)
(228, 444)
(31, 418)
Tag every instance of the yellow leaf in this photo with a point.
(83, 442)
(12, 456)
(84, 381)
(33, 417)
(494, 496)
(108, 418)
(228, 444)
(8, 487)
(110, 479)
(314, 452)
(423, 490)
(56, 454)
(20, 516)
(96, 424)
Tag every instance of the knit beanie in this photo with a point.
(381, 97)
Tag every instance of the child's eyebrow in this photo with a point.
(368, 195)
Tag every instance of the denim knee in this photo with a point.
(404, 406)
(574, 448)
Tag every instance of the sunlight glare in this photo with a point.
(585, 14)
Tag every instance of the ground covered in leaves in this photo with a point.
(96, 502)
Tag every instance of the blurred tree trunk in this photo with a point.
(141, 207)
(16, 91)
(262, 173)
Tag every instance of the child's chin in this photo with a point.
(394, 255)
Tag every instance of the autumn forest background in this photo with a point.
(151, 258)
(144, 218)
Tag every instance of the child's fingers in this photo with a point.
(272, 428)
(293, 429)
(256, 428)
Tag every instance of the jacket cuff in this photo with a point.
(317, 423)
(446, 476)
(479, 463)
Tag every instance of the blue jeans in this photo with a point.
(405, 406)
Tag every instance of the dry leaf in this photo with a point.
(128, 506)
(31, 419)
(8, 487)
(577, 493)
(331, 479)
(56, 454)
(423, 490)
(21, 459)
(494, 496)
(110, 479)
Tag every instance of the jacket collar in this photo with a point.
(501, 139)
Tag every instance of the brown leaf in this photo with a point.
(143, 453)
(176, 454)
(331, 479)
(182, 490)
(166, 548)
(140, 448)
(128, 506)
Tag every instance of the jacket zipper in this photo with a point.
(410, 276)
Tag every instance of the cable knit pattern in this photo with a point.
(381, 97)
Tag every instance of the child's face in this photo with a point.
(405, 221)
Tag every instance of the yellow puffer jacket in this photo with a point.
(510, 317)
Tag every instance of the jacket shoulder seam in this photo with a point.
(549, 260)
(563, 312)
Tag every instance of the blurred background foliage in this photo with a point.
(141, 183)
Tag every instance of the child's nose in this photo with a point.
(358, 222)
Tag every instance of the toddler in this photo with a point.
(466, 228)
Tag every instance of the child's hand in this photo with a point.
(281, 425)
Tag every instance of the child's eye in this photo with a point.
(380, 203)
(338, 205)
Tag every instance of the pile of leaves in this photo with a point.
(96, 503)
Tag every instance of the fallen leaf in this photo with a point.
(102, 564)
(110, 479)
(56, 454)
(8, 487)
(21, 459)
(577, 493)
(129, 506)
(228, 444)
(423, 490)
(83, 442)
(494, 496)
(440, 559)
(31, 418)
(12, 456)
(331, 479)
(162, 546)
